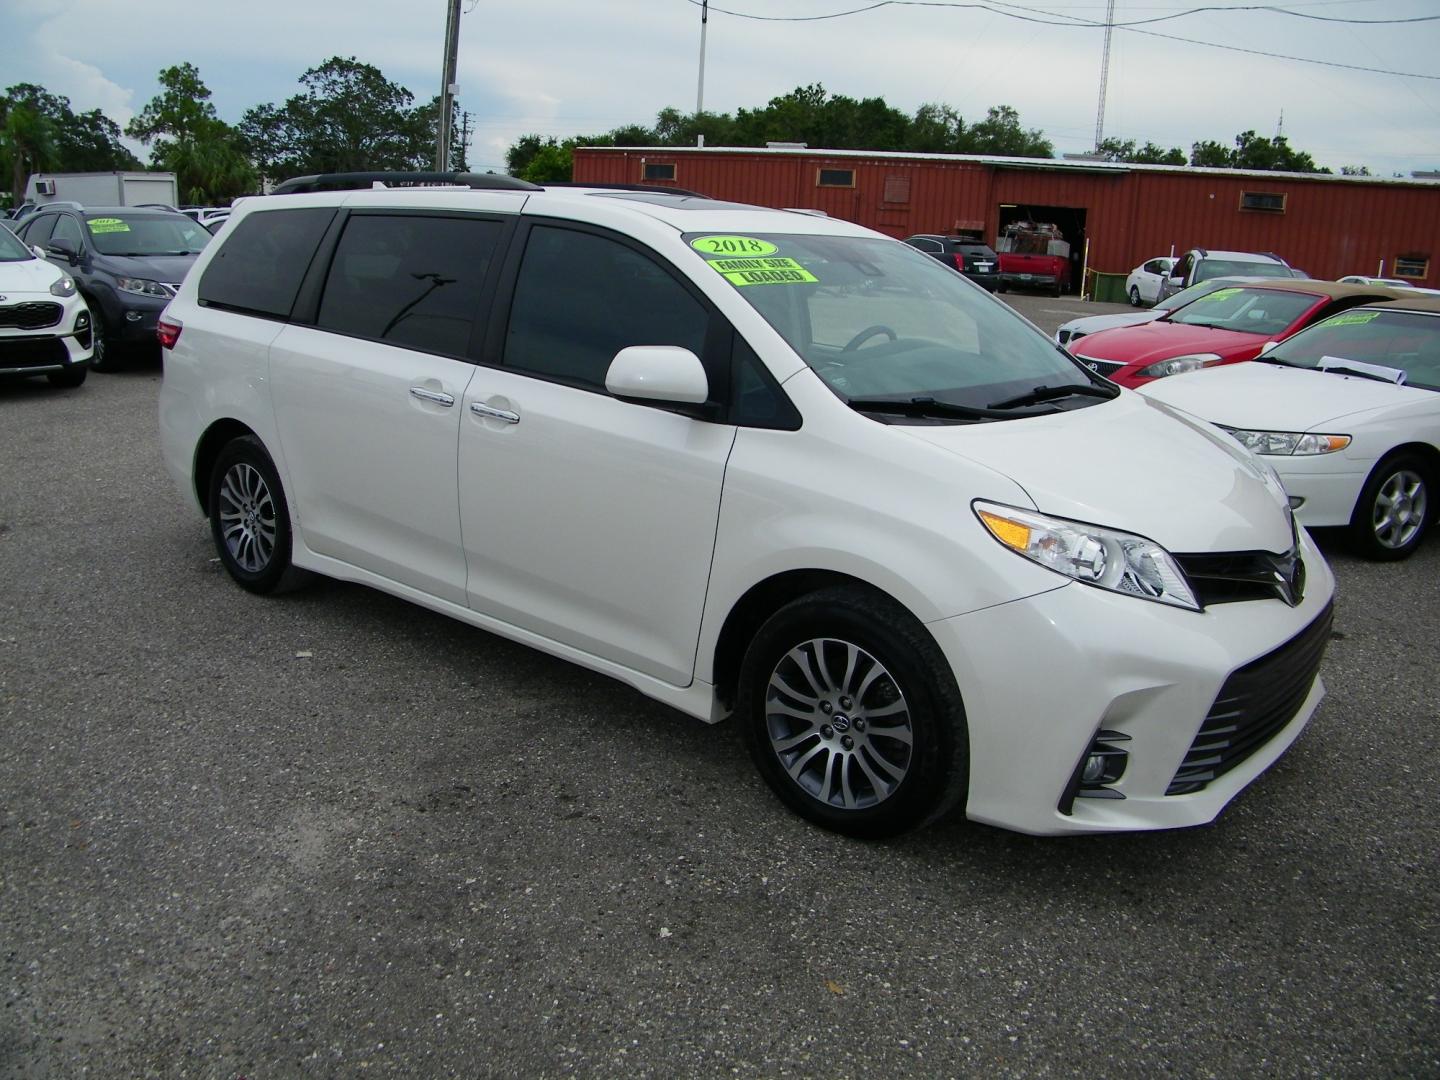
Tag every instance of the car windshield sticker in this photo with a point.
(768, 271)
(1218, 294)
(107, 225)
(733, 245)
(1351, 318)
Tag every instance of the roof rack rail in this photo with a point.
(681, 192)
(1270, 255)
(352, 181)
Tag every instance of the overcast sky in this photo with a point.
(559, 67)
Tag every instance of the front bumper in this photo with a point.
(1042, 676)
(50, 349)
(988, 282)
(1328, 484)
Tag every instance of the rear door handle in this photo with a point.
(437, 396)
(481, 409)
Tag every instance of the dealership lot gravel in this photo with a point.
(334, 834)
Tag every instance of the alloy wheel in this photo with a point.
(1399, 509)
(839, 724)
(247, 517)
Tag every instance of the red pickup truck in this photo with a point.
(1033, 256)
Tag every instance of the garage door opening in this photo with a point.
(1070, 220)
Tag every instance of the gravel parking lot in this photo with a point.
(334, 834)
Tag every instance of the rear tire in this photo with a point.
(852, 715)
(1134, 296)
(1393, 511)
(250, 519)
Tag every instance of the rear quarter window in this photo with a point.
(263, 259)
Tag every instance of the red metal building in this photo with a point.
(1326, 225)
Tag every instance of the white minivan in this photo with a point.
(760, 463)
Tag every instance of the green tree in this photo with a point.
(349, 118)
(40, 132)
(186, 137)
(1355, 170)
(1252, 151)
(26, 143)
(1000, 133)
(935, 129)
(1149, 154)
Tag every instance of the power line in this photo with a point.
(1073, 21)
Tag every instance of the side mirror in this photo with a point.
(664, 374)
(64, 248)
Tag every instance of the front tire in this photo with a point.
(69, 378)
(852, 715)
(1393, 510)
(250, 519)
(102, 355)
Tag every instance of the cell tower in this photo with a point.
(1104, 74)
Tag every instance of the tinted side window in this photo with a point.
(581, 298)
(409, 280)
(263, 259)
(67, 228)
(932, 246)
(37, 233)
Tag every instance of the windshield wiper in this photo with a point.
(923, 406)
(1055, 393)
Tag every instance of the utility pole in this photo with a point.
(447, 86)
(700, 90)
(1104, 74)
(465, 137)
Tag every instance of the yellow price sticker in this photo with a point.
(1352, 318)
(1218, 294)
(107, 225)
(739, 246)
(768, 271)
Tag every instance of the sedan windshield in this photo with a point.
(1249, 311)
(1213, 268)
(1391, 341)
(12, 248)
(146, 234)
(880, 322)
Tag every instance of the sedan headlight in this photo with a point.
(64, 287)
(1119, 561)
(1289, 443)
(144, 287)
(1178, 365)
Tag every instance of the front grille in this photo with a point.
(32, 352)
(1100, 367)
(1254, 705)
(35, 315)
(1245, 575)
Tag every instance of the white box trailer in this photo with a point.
(103, 188)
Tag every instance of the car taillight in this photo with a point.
(959, 261)
(168, 333)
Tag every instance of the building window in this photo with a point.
(1268, 201)
(835, 178)
(897, 189)
(1412, 266)
(659, 171)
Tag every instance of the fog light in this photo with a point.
(1102, 766)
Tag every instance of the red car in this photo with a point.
(1223, 327)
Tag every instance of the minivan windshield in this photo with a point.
(146, 234)
(876, 319)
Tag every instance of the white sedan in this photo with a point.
(1143, 284)
(1348, 413)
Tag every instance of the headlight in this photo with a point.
(64, 287)
(1118, 561)
(1288, 443)
(1178, 365)
(144, 287)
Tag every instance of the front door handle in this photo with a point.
(437, 396)
(481, 409)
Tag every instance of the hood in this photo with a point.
(1093, 324)
(170, 269)
(1161, 340)
(1136, 465)
(1269, 397)
(29, 276)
